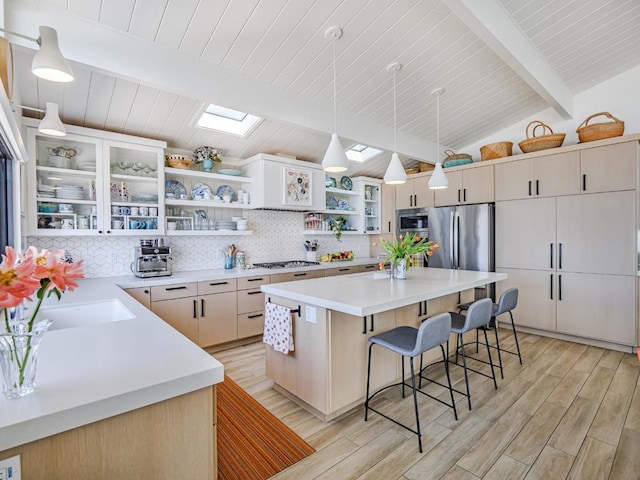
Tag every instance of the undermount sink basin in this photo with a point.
(83, 314)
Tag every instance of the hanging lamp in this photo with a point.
(438, 178)
(335, 159)
(395, 173)
(50, 123)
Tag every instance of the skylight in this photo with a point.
(362, 153)
(226, 120)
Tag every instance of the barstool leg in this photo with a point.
(420, 373)
(446, 369)
(495, 329)
(464, 363)
(515, 336)
(458, 345)
(493, 373)
(366, 403)
(477, 335)
(415, 404)
(402, 360)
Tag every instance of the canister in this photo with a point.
(240, 260)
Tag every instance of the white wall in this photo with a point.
(619, 96)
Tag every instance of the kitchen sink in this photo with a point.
(83, 314)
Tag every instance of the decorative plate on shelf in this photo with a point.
(174, 187)
(201, 189)
(343, 204)
(346, 183)
(332, 203)
(230, 171)
(330, 182)
(225, 190)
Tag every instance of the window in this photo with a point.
(228, 121)
(6, 201)
(362, 153)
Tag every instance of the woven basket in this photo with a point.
(451, 155)
(426, 167)
(496, 150)
(543, 142)
(598, 131)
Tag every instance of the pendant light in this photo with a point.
(48, 63)
(335, 159)
(395, 173)
(438, 178)
(51, 123)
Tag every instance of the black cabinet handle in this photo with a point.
(537, 187)
(529, 187)
(202, 307)
(584, 182)
(371, 330)
(99, 231)
(426, 307)
(559, 256)
(195, 314)
(254, 293)
(146, 291)
(415, 200)
(464, 194)
(419, 309)
(364, 325)
(254, 279)
(299, 274)
(344, 269)
(255, 315)
(551, 290)
(169, 289)
(458, 195)
(370, 266)
(559, 287)
(411, 200)
(214, 284)
(551, 255)
(389, 226)
(108, 231)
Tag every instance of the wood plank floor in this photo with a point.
(570, 411)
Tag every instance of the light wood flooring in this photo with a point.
(570, 411)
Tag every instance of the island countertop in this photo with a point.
(369, 293)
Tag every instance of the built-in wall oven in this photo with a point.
(412, 220)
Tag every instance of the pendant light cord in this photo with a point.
(335, 107)
(438, 127)
(395, 125)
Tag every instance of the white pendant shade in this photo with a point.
(51, 123)
(438, 179)
(395, 173)
(335, 159)
(48, 62)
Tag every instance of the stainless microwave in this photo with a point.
(412, 220)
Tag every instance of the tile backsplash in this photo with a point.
(276, 236)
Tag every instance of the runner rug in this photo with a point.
(252, 443)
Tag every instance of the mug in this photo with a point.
(226, 198)
(116, 210)
(172, 226)
(137, 224)
(151, 224)
(117, 224)
(153, 211)
(66, 223)
(94, 209)
(134, 211)
(144, 211)
(125, 210)
(83, 222)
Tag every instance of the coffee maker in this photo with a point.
(151, 259)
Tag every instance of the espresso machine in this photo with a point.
(151, 259)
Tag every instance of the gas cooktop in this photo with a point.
(286, 264)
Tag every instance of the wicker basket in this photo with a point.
(543, 142)
(454, 159)
(496, 150)
(426, 166)
(598, 131)
(179, 161)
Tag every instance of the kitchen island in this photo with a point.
(326, 373)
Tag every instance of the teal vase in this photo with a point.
(207, 164)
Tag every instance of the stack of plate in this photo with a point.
(46, 191)
(58, 161)
(74, 192)
(145, 197)
(225, 225)
(88, 165)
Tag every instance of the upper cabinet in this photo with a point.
(467, 185)
(415, 193)
(609, 168)
(92, 183)
(388, 208)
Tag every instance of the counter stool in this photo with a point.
(506, 303)
(478, 315)
(411, 342)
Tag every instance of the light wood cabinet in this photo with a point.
(291, 276)
(472, 185)
(342, 270)
(388, 208)
(250, 309)
(218, 318)
(180, 313)
(415, 193)
(609, 168)
(141, 294)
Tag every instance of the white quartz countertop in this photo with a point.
(92, 372)
(368, 293)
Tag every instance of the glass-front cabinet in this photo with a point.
(86, 184)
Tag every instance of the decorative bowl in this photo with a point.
(179, 161)
(47, 207)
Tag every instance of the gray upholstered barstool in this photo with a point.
(478, 316)
(506, 303)
(411, 342)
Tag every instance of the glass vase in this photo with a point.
(19, 357)
(401, 269)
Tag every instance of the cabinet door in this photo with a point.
(141, 294)
(250, 324)
(250, 301)
(537, 293)
(181, 314)
(598, 306)
(526, 234)
(597, 233)
(478, 185)
(388, 208)
(218, 319)
(350, 346)
(453, 194)
(344, 270)
(557, 174)
(609, 168)
(514, 180)
(404, 195)
(422, 194)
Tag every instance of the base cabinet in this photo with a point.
(180, 313)
(141, 294)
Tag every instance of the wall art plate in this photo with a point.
(174, 187)
(346, 183)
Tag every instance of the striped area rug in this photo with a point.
(252, 443)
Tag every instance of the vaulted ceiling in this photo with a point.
(149, 67)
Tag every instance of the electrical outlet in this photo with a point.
(10, 468)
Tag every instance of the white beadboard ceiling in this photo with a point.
(148, 67)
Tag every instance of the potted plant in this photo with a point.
(337, 225)
(209, 157)
(400, 249)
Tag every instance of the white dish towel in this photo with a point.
(278, 328)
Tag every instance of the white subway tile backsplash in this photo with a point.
(276, 236)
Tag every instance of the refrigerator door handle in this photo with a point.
(457, 239)
(452, 241)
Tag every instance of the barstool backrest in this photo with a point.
(507, 301)
(433, 332)
(479, 314)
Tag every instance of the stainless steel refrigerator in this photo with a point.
(465, 235)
